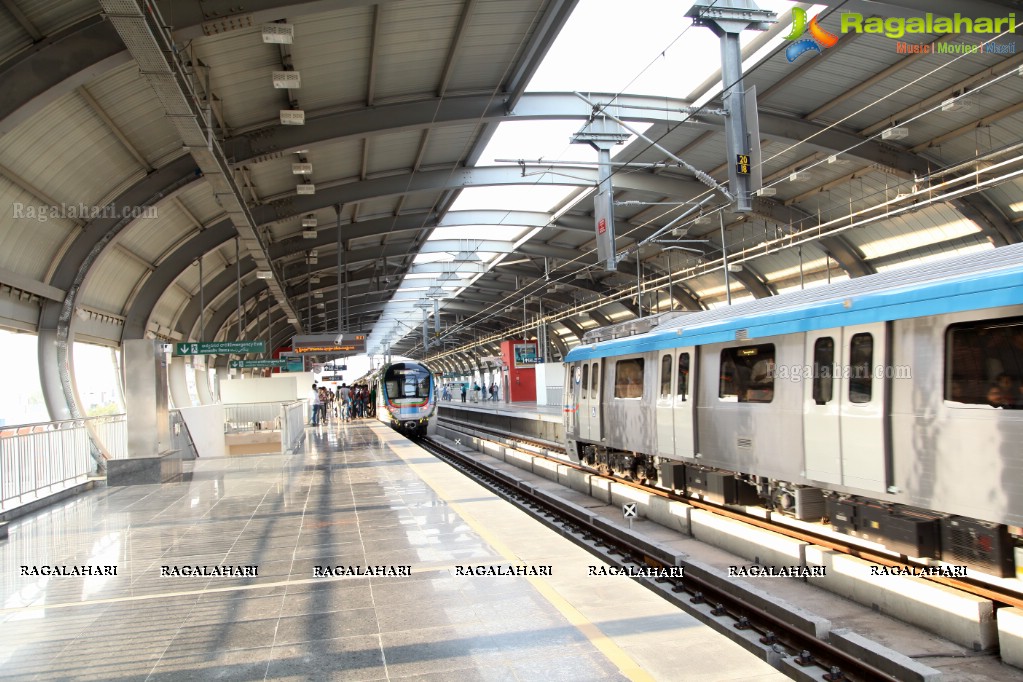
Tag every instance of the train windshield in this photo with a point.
(407, 384)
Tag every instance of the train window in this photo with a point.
(629, 378)
(861, 368)
(984, 363)
(595, 381)
(407, 383)
(747, 374)
(683, 376)
(586, 382)
(823, 366)
(666, 377)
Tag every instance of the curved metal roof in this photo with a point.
(100, 124)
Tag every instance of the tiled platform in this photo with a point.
(360, 495)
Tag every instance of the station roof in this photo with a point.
(143, 144)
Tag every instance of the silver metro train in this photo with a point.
(406, 397)
(889, 405)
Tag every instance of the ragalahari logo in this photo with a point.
(818, 41)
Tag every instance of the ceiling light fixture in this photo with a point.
(287, 80)
(895, 133)
(292, 117)
(281, 34)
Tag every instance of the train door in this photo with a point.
(665, 403)
(823, 394)
(589, 405)
(572, 389)
(584, 403)
(684, 412)
(864, 407)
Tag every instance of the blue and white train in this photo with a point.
(888, 404)
(406, 397)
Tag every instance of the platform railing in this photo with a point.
(293, 421)
(45, 458)
(180, 439)
(239, 417)
(112, 433)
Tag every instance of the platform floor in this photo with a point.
(359, 495)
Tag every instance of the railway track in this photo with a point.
(780, 640)
(1001, 596)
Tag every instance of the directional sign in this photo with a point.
(219, 347)
(629, 510)
(246, 364)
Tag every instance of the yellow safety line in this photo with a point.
(600, 641)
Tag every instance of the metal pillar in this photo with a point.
(426, 340)
(148, 417)
(602, 133)
(238, 279)
(202, 305)
(639, 285)
(724, 259)
(340, 250)
(728, 19)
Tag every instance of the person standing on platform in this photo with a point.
(325, 406)
(463, 392)
(493, 391)
(314, 402)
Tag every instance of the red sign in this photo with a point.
(601, 226)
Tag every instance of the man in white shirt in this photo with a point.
(314, 401)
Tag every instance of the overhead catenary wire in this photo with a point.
(850, 148)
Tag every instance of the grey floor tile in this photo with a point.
(349, 659)
(329, 625)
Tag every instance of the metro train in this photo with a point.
(889, 405)
(406, 397)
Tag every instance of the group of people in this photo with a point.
(477, 390)
(345, 404)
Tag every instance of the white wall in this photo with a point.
(304, 382)
(206, 427)
(263, 390)
(548, 375)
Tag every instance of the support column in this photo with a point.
(602, 133)
(728, 19)
(150, 458)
